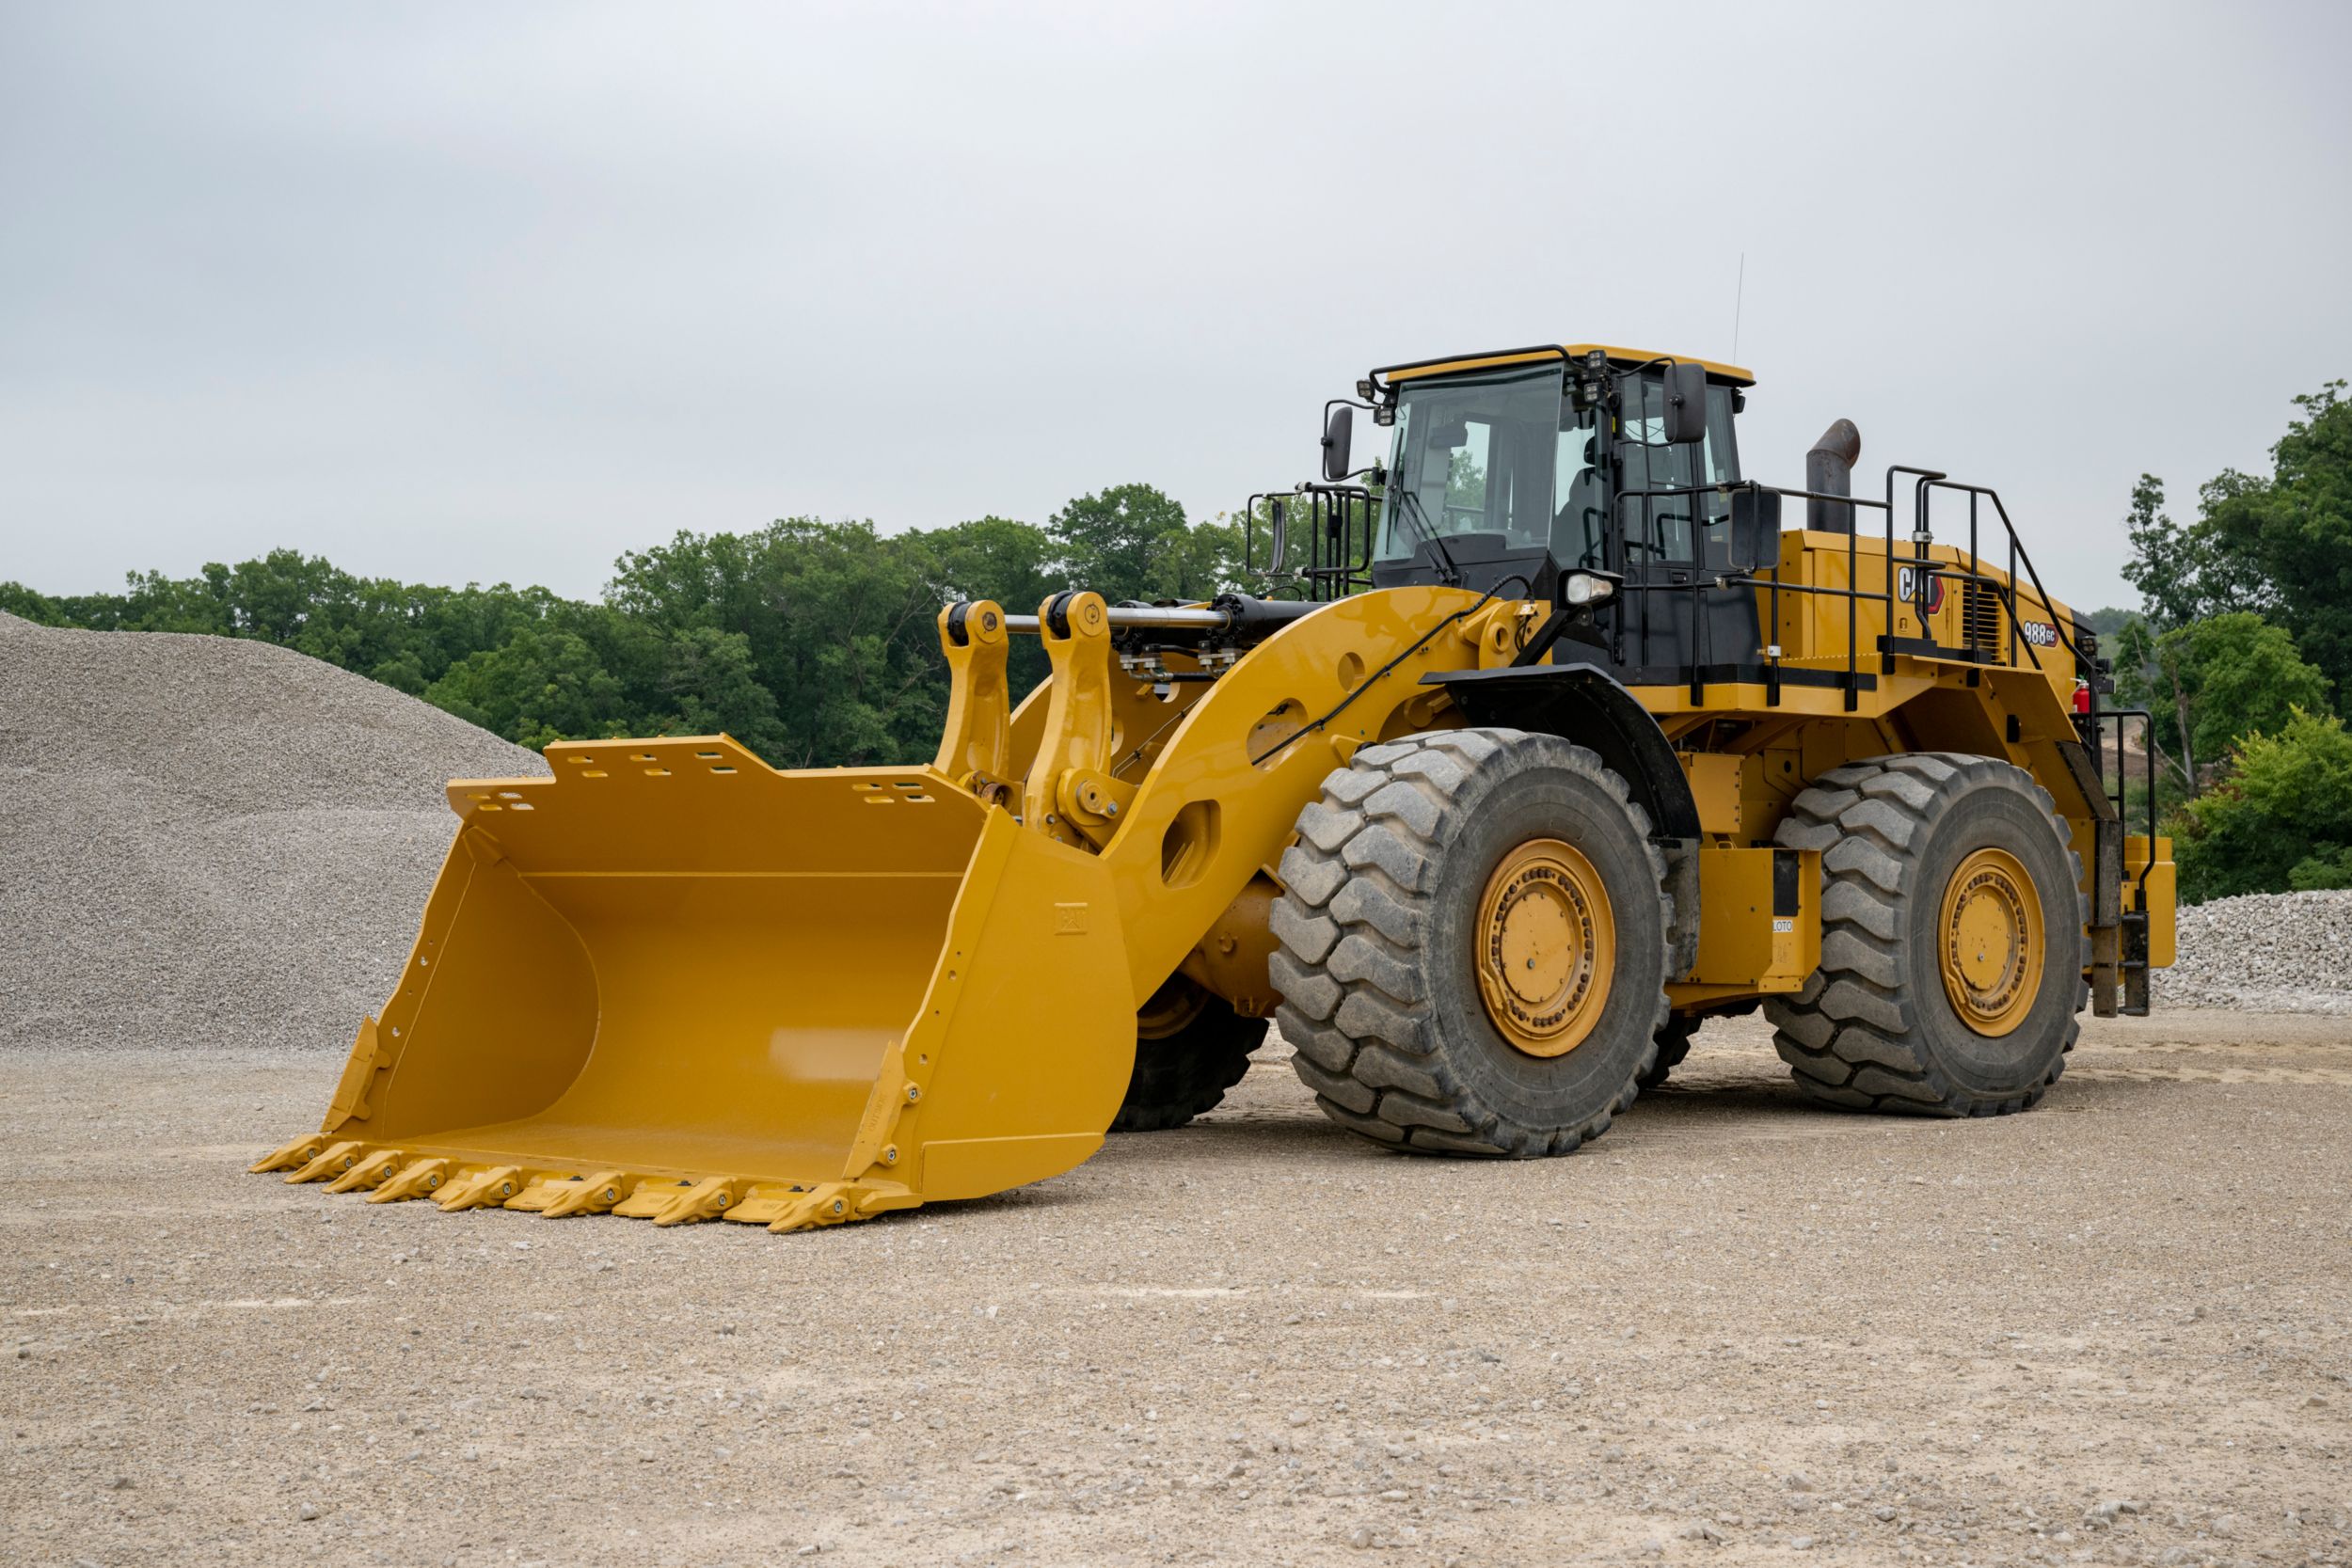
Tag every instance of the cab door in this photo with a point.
(1676, 539)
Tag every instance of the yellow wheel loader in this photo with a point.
(1553, 735)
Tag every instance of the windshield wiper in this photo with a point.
(1419, 517)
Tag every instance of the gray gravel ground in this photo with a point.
(1737, 1329)
(2284, 951)
(209, 841)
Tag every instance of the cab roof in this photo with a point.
(1575, 351)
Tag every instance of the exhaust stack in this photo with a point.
(1829, 471)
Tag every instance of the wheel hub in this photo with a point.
(1992, 941)
(1547, 946)
(1172, 1006)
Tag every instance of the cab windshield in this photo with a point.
(1487, 454)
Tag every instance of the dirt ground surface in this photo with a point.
(1737, 1329)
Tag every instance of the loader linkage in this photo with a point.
(675, 984)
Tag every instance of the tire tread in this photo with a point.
(1852, 1037)
(1355, 1008)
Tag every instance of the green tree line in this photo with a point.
(2242, 650)
(813, 642)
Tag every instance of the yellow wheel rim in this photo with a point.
(1547, 945)
(1992, 941)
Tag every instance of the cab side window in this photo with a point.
(1656, 528)
(1580, 524)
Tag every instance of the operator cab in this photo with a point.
(1514, 472)
(1506, 463)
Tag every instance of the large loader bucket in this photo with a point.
(672, 982)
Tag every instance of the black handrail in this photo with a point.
(1926, 570)
(1701, 580)
(1922, 478)
(1341, 532)
(1338, 561)
(2017, 557)
(2098, 717)
(1495, 359)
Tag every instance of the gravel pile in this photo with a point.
(2264, 952)
(210, 842)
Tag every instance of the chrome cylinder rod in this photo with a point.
(1135, 615)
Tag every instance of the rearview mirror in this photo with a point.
(1686, 404)
(1338, 437)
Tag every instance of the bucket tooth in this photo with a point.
(648, 1198)
(826, 1204)
(706, 1199)
(333, 1160)
(373, 1171)
(584, 1195)
(539, 1190)
(421, 1178)
(763, 1201)
(875, 1198)
(486, 1189)
(838, 1203)
(301, 1151)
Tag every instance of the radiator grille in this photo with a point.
(1982, 629)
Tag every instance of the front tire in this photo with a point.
(1952, 939)
(1191, 1048)
(1474, 944)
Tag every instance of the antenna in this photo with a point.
(1739, 297)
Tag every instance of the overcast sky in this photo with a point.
(495, 291)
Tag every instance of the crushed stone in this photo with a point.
(2262, 952)
(212, 842)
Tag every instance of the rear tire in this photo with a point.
(1474, 944)
(1191, 1048)
(1952, 939)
